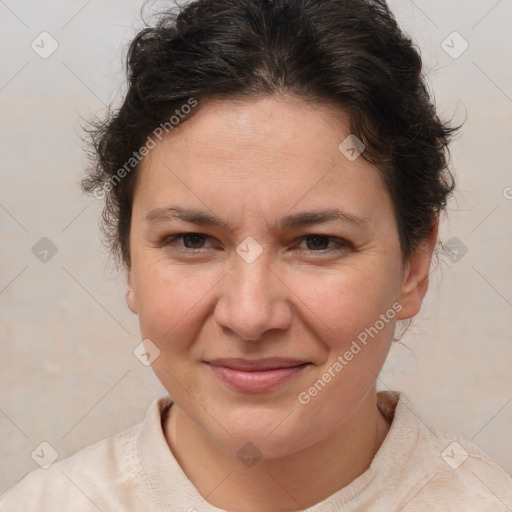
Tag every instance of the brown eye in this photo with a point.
(323, 244)
(317, 242)
(187, 243)
(193, 240)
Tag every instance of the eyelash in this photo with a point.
(340, 243)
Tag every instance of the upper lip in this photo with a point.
(248, 365)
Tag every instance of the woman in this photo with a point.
(273, 185)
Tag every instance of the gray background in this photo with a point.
(68, 375)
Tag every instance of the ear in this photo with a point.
(415, 279)
(131, 298)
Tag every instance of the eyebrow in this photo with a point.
(202, 218)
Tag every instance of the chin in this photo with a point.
(270, 434)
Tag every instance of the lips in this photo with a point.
(252, 365)
(256, 376)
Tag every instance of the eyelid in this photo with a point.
(339, 243)
(168, 240)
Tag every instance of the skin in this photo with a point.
(251, 162)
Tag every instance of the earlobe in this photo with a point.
(416, 276)
(130, 294)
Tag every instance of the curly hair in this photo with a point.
(347, 53)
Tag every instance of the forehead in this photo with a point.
(265, 127)
(259, 152)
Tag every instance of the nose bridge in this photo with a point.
(251, 285)
(252, 274)
(252, 300)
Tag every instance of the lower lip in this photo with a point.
(256, 382)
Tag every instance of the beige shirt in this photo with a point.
(417, 468)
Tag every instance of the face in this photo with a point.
(254, 237)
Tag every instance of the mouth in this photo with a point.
(258, 375)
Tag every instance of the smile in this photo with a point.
(256, 376)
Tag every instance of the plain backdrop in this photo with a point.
(68, 374)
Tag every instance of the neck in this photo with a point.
(296, 481)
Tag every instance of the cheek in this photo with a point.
(344, 311)
(344, 302)
(171, 302)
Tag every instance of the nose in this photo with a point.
(253, 300)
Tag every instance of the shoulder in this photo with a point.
(445, 471)
(100, 474)
(465, 474)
